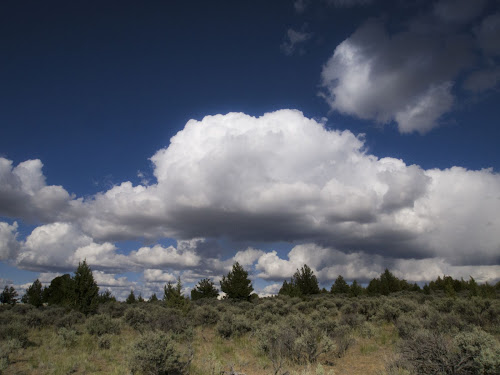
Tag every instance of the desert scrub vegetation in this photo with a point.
(389, 328)
(323, 333)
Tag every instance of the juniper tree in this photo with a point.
(8, 296)
(131, 298)
(236, 284)
(61, 291)
(86, 289)
(34, 294)
(340, 286)
(306, 281)
(204, 289)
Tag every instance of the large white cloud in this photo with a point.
(278, 177)
(406, 77)
(61, 246)
(24, 193)
(161, 257)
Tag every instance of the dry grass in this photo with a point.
(47, 354)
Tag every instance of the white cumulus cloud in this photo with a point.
(405, 77)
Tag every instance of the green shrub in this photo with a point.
(233, 325)
(389, 312)
(477, 352)
(343, 339)
(408, 325)
(295, 339)
(367, 330)
(205, 315)
(70, 319)
(225, 327)
(36, 319)
(112, 308)
(6, 348)
(136, 318)
(156, 353)
(99, 325)
(67, 336)
(168, 320)
(352, 320)
(104, 341)
(15, 331)
(470, 353)
(425, 353)
(310, 345)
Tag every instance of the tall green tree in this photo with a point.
(86, 289)
(34, 294)
(340, 286)
(204, 289)
(355, 289)
(131, 297)
(289, 289)
(306, 281)
(106, 297)
(8, 296)
(302, 283)
(236, 283)
(389, 283)
(61, 291)
(172, 295)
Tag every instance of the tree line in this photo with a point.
(81, 292)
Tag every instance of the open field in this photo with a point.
(317, 335)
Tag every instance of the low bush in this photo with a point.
(407, 325)
(205, 315)
(476, 352)
(15, 331)
(343, 339)
(70, 319)
(137, 318)
(6, 348)
(67, 336)
(156, 353)
(104, 341)
(469, 353)
(36, 319)
(233, 325)
(99, 325)
(112, 308)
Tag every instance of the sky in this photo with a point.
(164, 139)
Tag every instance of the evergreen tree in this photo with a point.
(131, 298)
(204, 289)
(34, 294)
(306, 281)
(8, 296)
(140, 299)
(236, 284)
(86, 289)
(373, 287)
(302, 283)
(153, 298)
(60, 291)
(340, 286)
(389, 283)
(472, 286)
(290, 289)
(355, 290)
(106, 296)
(173, 294)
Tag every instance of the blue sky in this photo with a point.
(349, 135)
